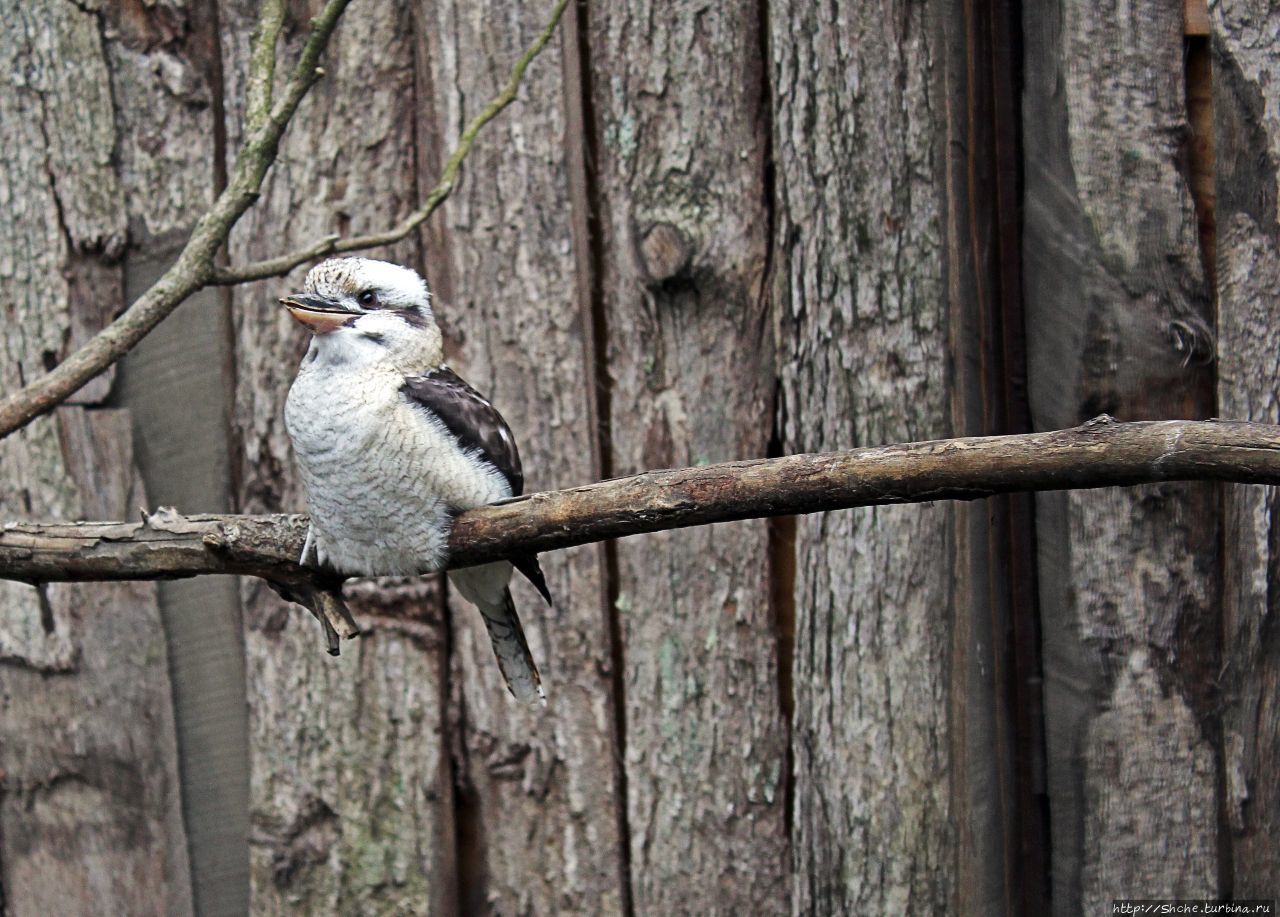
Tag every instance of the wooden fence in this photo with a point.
(704, 232)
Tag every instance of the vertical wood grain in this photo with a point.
(167, 84)
(538, 784)
(995, 706)
(681, 138)
(90, 815)
(863, 342)
(350, 792)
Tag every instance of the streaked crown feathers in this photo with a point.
(347, 280)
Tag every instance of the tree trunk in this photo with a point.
(90, 813)
(176, 386)
(861, 308)
(702, 232)
(1246, 67)
(1118, 318)
(351, 795)
(537, 789)
(681, 135)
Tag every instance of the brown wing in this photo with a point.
(470, 417)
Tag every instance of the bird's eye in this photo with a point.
(368, 299)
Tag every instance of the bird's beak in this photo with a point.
(319, 314)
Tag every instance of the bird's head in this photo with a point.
(370, 311)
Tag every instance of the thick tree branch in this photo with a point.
(1100, 453)
(335, 245)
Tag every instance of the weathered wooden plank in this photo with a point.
(1118, 318)
(861, 307)
(1195, 16)
(90, 817)
(351, 802)
(1246, 67)
(995, 710)
(681, 141)
(541, 804)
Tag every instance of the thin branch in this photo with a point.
(195, 264)
(334, 245)
(1100, 453)
(307, 71)
(260, 82)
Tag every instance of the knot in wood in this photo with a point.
(665, 252)
(1193, 339)
(1098, 424)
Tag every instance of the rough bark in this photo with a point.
(90, 817)
(350, 790)
(194, 266)
(90, 811)
(681, 138)
(718, 224)
(1246, 68)
(861, 308)
(537, 798)
(1118, 316)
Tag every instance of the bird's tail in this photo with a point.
(486, 588)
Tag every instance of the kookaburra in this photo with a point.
(391, 444)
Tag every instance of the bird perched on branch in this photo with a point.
(392, 444)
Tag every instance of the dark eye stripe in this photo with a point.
(374, 336)
(412, 316)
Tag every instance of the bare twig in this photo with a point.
(1100, 453)
(335, 245)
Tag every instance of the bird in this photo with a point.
(391, 444)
